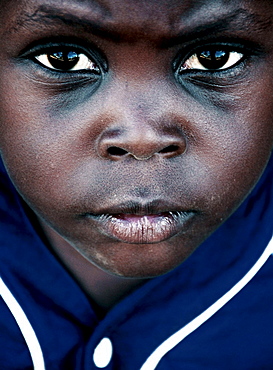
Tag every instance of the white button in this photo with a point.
(103, 353)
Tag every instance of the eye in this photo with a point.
(211, 59)
(67, 60)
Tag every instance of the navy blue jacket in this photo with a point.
(209, 313)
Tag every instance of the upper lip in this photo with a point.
(138, 208)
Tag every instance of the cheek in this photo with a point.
(28, 143)
(237, 139)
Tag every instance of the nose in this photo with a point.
(141, 142)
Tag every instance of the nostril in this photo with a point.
(169, 149)
(116, 151)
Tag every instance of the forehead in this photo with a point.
(133, 19)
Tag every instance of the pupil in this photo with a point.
(213, 59)
(64, 60)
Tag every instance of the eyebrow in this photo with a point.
(45, 13)
(238, 20)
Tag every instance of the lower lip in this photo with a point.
(146, 229)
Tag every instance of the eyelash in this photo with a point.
(239, 58)
(90, 65)
(214, 59)
(211, 60)
(193, 62)
(65, 60)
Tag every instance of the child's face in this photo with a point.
(135, 128)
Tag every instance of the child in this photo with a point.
(136, 207)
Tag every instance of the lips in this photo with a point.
(140, 224)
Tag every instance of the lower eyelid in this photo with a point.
(220, 79)
(48, 78)
(55, 81)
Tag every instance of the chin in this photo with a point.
(140, 261)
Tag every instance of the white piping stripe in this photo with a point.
(153, 360)
(25, 327)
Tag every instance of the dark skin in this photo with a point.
(111, 120)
